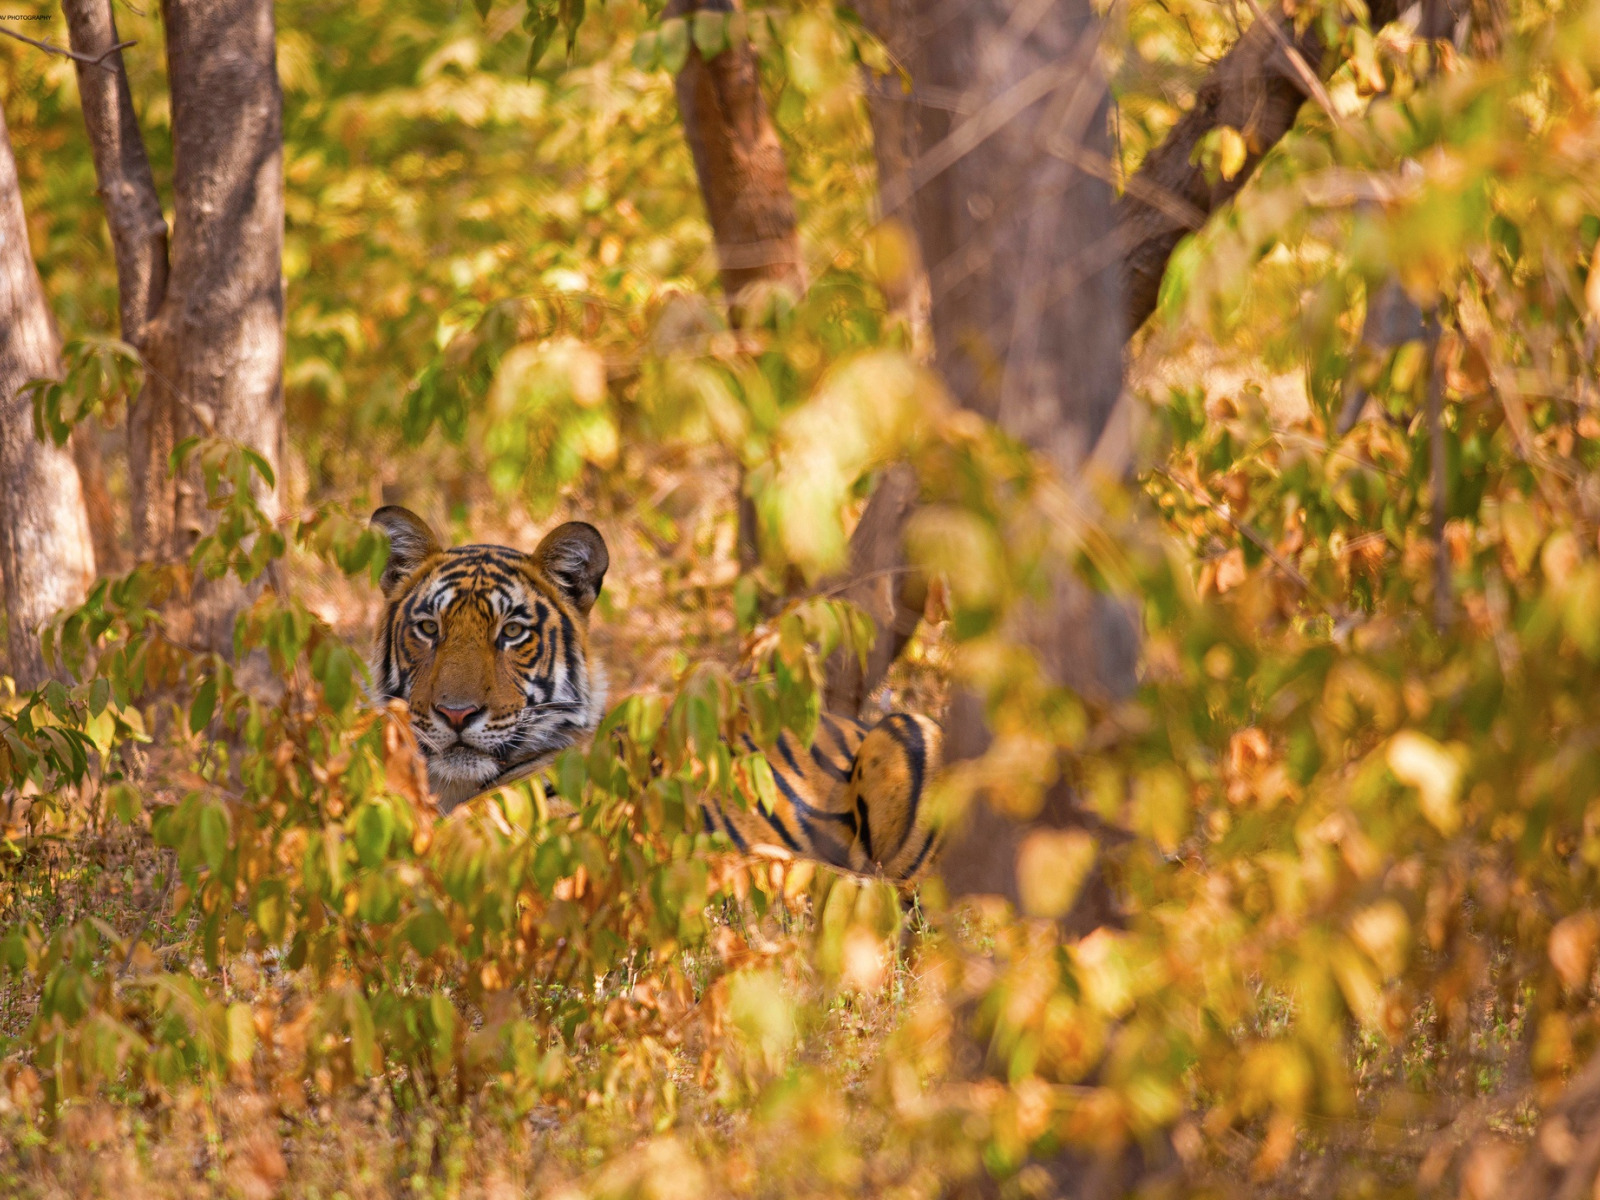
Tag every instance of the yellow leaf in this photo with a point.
(1522, 531)
(1051, 867)
(1231, 151)
(865, 958)
(1418, 760)
(1572, 946)
(1162, 806)
(1104, 972)
(1359, 983)
(1383, 931)
(241, 1034)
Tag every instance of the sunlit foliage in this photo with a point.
(1349, 813)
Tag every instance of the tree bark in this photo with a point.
(1027, 320)
(892, 111)
(122, 167)
(744, 182)
(46, 555)
(1256, 90)
(739, 163)
(214, 348)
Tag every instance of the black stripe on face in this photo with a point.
(388, 676)
(570, 648)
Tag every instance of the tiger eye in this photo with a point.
(513, 630)
(428, 628)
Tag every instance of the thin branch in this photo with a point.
(98, 60)
(1243, 527)
(1308, 77)
(1438, 467)
(149, 915)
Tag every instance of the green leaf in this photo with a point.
(646, 52)
(262, 466)
(760, 772)
(710, 33)
(269, 908)
(214, 835)
(442, 1019)
(363, 1036)
(125, 803)
(571, 18)
(337, 677)
(674, 44)
(180, 454)
(374, 826)
(540, 31)
(55, 697)
(204, 704)
(427, 930)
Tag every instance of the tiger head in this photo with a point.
(489, 646)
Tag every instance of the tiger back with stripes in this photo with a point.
(488, 646)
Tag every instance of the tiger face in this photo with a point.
(489, 647)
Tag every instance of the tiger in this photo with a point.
(488, 647)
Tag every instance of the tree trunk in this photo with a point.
(46, 555)
(214, 348)
(1028, 331)
(1027, 321)
(1021, 261)
(739, 163)
(745, 185)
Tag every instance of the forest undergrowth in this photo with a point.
(667, 603)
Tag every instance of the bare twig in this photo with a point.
(1438, 468)
(149, 914)
(98, 60)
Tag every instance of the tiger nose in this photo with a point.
(457, 718)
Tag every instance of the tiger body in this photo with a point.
(489, 648)
(853, 799)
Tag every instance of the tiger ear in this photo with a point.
(574, 558)
(410, 542)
